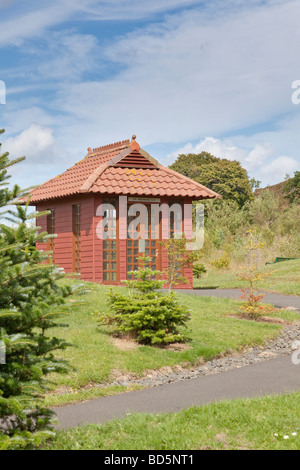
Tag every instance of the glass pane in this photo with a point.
(153, 267)
(136, 243)
(113, 266)
(141, 247)
(129, 259)
(105, 276)
(105, 266)
(153, 252)
(113, 276)
(147, 243)
(147, 251)
(113, 245)
(105, 244)
(135, 267)
(153, 244)
(129, 251)
(129, 242)
(136, 251)
(105, 255)
(113, 255)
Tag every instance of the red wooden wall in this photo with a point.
(91, 244)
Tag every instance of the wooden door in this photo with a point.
(136, 248)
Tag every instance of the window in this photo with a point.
(176, 227)
(76, 227)
(140, 248)
(132, 256)
(110, 244)
(109, 260)
(51, 230)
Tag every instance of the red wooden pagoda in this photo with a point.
(121, 175)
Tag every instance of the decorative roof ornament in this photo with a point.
(134, 145)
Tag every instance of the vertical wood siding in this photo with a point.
(91, 244)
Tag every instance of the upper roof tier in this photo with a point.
(122, 168)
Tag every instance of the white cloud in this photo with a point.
(67, 56)
(33, 18)
(133, 9)
(194, 75)
(258, 155)
(261, 161)
(280, 167)
(45, 156)
(35, 142)
(216, 147)
(203, 72)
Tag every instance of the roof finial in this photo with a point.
(134, 145)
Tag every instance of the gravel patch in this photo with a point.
(282, 345)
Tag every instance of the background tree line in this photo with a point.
(227, 221)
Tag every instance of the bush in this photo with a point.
(223, 262)
(148, 316)
(198, 270)
(264, 210)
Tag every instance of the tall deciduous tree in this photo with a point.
(226, 177)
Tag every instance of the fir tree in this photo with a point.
(30, 303)
(146, 314)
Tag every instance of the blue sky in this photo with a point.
(183, 75)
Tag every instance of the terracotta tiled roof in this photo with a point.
(120, 168)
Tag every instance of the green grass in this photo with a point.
(238, 424)
(286, 279)
(96, 359)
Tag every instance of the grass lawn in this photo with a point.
(96, 358)
(238, 424)
(286, 279)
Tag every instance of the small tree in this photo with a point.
(147, 315)
(179, 257)
(252, 306)
(30, 302)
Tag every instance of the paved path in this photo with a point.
(278, 300)
(270, 377)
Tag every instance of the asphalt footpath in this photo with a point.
(273, 376)
(278, 300)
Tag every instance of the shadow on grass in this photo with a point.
(206, 288)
